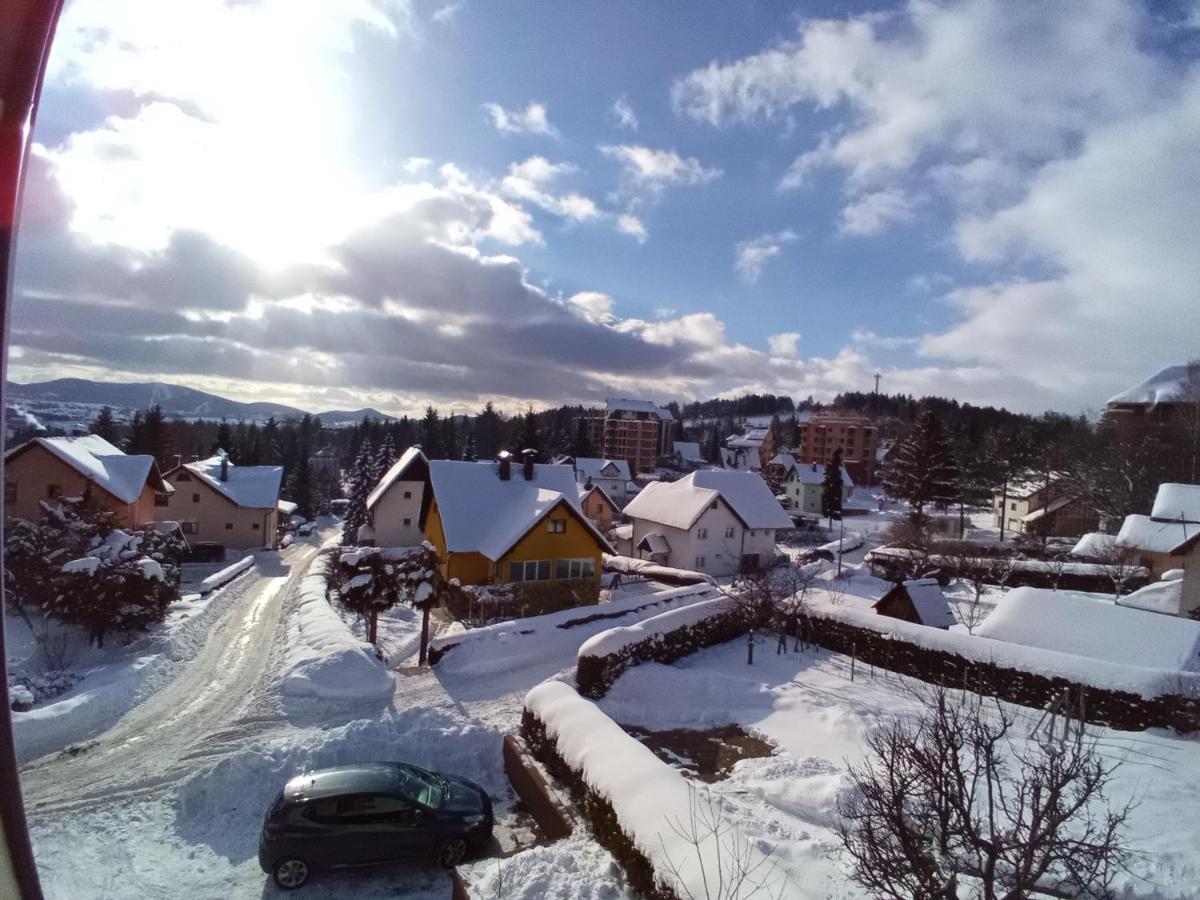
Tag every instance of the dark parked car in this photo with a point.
(371, 813)
(808, 556)
(204, 552)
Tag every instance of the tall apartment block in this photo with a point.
(854, 433)
(636, 431)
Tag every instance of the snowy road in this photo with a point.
(217, 702)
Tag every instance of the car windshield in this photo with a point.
(420, 786)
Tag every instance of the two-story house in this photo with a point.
(613, 475)
(718, 522)
(803, 484)
(396, 504)
(215, 500)
(1169, 538)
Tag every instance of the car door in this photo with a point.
(395, 828)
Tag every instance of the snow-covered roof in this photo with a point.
(929, 602)
(1094, 544)
(1091, 626)
(392, 475)
(94, 458)
(481, 513)
(644, 406)
(1164, 386)
(287, 507)
(1164, 596)
(678, 504)
(1174, 502)
(601, 468)
(252, 487)
(1144, 533)
(752, 439)
(622, 533)
(813, 473)
(654, 542)
(689, 451)
(738, 459)
(1052, 507)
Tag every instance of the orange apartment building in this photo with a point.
(854, 433)
(636, 431)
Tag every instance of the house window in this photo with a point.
(713, 505)
(530, 570)
(753, 532)
(557, 526)
(195, 498)
(162, 500)
(699, 562)
(1013, 506)
(53, 491)
(729, 532)
(10, 492)
(189, 527)
(574, 568)
(408, 495)
(229, 526)
(407, 522)
(702, 533)
(254, 526)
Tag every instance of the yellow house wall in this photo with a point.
(212, 511)
(577, 542)
(35, 469)
(468, 568)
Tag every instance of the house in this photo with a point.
(1160, 398)
(715, 521)
(396, 506)
(1042, 507)
(921, 602)
(215, 500)
(1169, 538)
(611, 474)
(749, 451)
(500, 523)
(802, 484)
(47, 468)
(636, 431)
(688, 454)
(1092, 626)
(597, 506)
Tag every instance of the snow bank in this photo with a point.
(648, 796)
(617, 639)
(322, 659)
(851, 541)
(227, 574)
(627, 565)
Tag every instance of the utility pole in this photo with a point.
(877, 377)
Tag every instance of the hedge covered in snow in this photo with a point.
(663, 638)
(1123, 697)
(227, 574)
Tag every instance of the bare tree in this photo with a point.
(1120, 565)
(954, 792)
(729, 868)
(1056, 564)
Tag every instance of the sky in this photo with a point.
(401, 202)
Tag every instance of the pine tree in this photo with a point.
(450, 449)
(300, 488)
(922, 469)
(361, 485)
(487, 432)
(582, 445)
(531, 438)
(831, 487)
(469, 454)
(135, 442)
(105, 426)
(713, 450)
(431, 434)
(385, 458)
(225, 438)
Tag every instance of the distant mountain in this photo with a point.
(69, 403)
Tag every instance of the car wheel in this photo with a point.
(290, 873)
(450, 853)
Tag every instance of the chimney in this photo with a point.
(178, 460)
(529, 456)
(224, 465)
(505, 465)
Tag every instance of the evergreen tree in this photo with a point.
(713, 449)
(105, 426)
(469, 454)
(301, 488)
(582, 445)
(831, 487)
(431, 434)
(135, 441)
(385, 458)
(922, 469)
(270, 443)
(487, 432)
(450, 448)
(225, 439)
(361, 484)
(531, 438)
(154, 436)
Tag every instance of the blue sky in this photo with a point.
(394, 203)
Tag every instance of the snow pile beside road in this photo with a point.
(227, 574)
(322, 659)
(617, 639)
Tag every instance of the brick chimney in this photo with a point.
(528, 456)
(505, 459)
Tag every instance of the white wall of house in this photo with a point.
(806, 498)
(1190, 599)
(616, 488)
(397, 515)
(714, 545)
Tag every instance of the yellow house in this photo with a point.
(505, 523)
(130, 487)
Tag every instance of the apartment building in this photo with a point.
(853, 433)
(636, 431)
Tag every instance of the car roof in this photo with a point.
(360, 778)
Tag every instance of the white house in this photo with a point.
(395, 504)
(612, 475)
(712, 521)
(1169, 538)
(802, 484)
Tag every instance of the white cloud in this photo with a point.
(622, 114)
(632, 226)
(784, 344)
(870, 213)
(753, 254)
(530, 120)
(415, 164)
(656, 168)
(446, 15)
(530, 179)
(593, 306)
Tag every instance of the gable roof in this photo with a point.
(251, 487)
(1164, 386)
(409, 460)
(584, 490)
(644, 406)
(808, 473)
(679, 504)
(1144, 533)
(94, 458)
(601, 468)
(689, 451)
(753, 438)
(482, 514)
(1091, 626)
(1174, 502)
(929, 602)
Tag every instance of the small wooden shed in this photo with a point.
(921, 602)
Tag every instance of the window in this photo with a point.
(699, 562)
(557, 526)
(713, 505)
(702, 533)
(10, 492)
(753, 532)
(729, 531)
(53, 491)
(195, 498)
(229, 526)
(574, 568)
(183, 476)
(530, 570)
(189, 527)
(361, 809)
(407, 522)
(1013, 506)
(254, 526)
(162, 500)
(408, 495)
